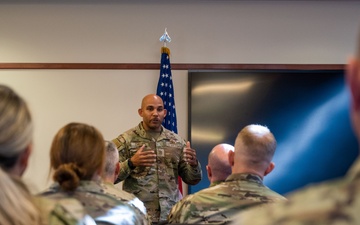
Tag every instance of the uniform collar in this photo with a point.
(244, 177)
(140, 130)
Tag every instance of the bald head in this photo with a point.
(219, 167)
(254, 148)
(150, 98)
(152, 112)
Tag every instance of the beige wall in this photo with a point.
(320, 32)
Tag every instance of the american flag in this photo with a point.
(165, 90)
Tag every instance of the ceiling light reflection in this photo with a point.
(240, 87)
(208, 136)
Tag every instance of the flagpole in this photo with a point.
(165, 90)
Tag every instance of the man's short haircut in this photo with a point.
(112, 157)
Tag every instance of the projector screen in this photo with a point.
(306, 110)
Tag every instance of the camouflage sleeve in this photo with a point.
(189, 174)
(121, 145)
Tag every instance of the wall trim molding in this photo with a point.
(174, 66)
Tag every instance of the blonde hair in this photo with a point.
(16, 127)
(17, 205)
(77, 153)
(256, 143)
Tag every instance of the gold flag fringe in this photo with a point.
(165, 50)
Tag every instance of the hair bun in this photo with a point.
(68, 176)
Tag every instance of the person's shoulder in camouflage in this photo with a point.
(124, 139)
(219, 204)
(123, 196)
(106, 208)
(66, 211)
(331, 202)
(127, 198)
(101, 206)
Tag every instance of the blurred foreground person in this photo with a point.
(77, 157)
(254, 148)
(17, 206)
(15, 198)
(330, 202)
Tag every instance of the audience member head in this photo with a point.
(353, 82)
(219, 168)
(112, 165)
(254, 148)
(16, 205)
(153, 112)
(16, 132)
(77, 153)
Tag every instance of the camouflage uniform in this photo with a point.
(328, 203)
(219, 204)
(215, 183)
(156, 186)
(66, 211)
(109, 188)
(103, 208)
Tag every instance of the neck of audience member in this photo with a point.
(217, 178)
(243, 166)
(241, 169)
(109, 179)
